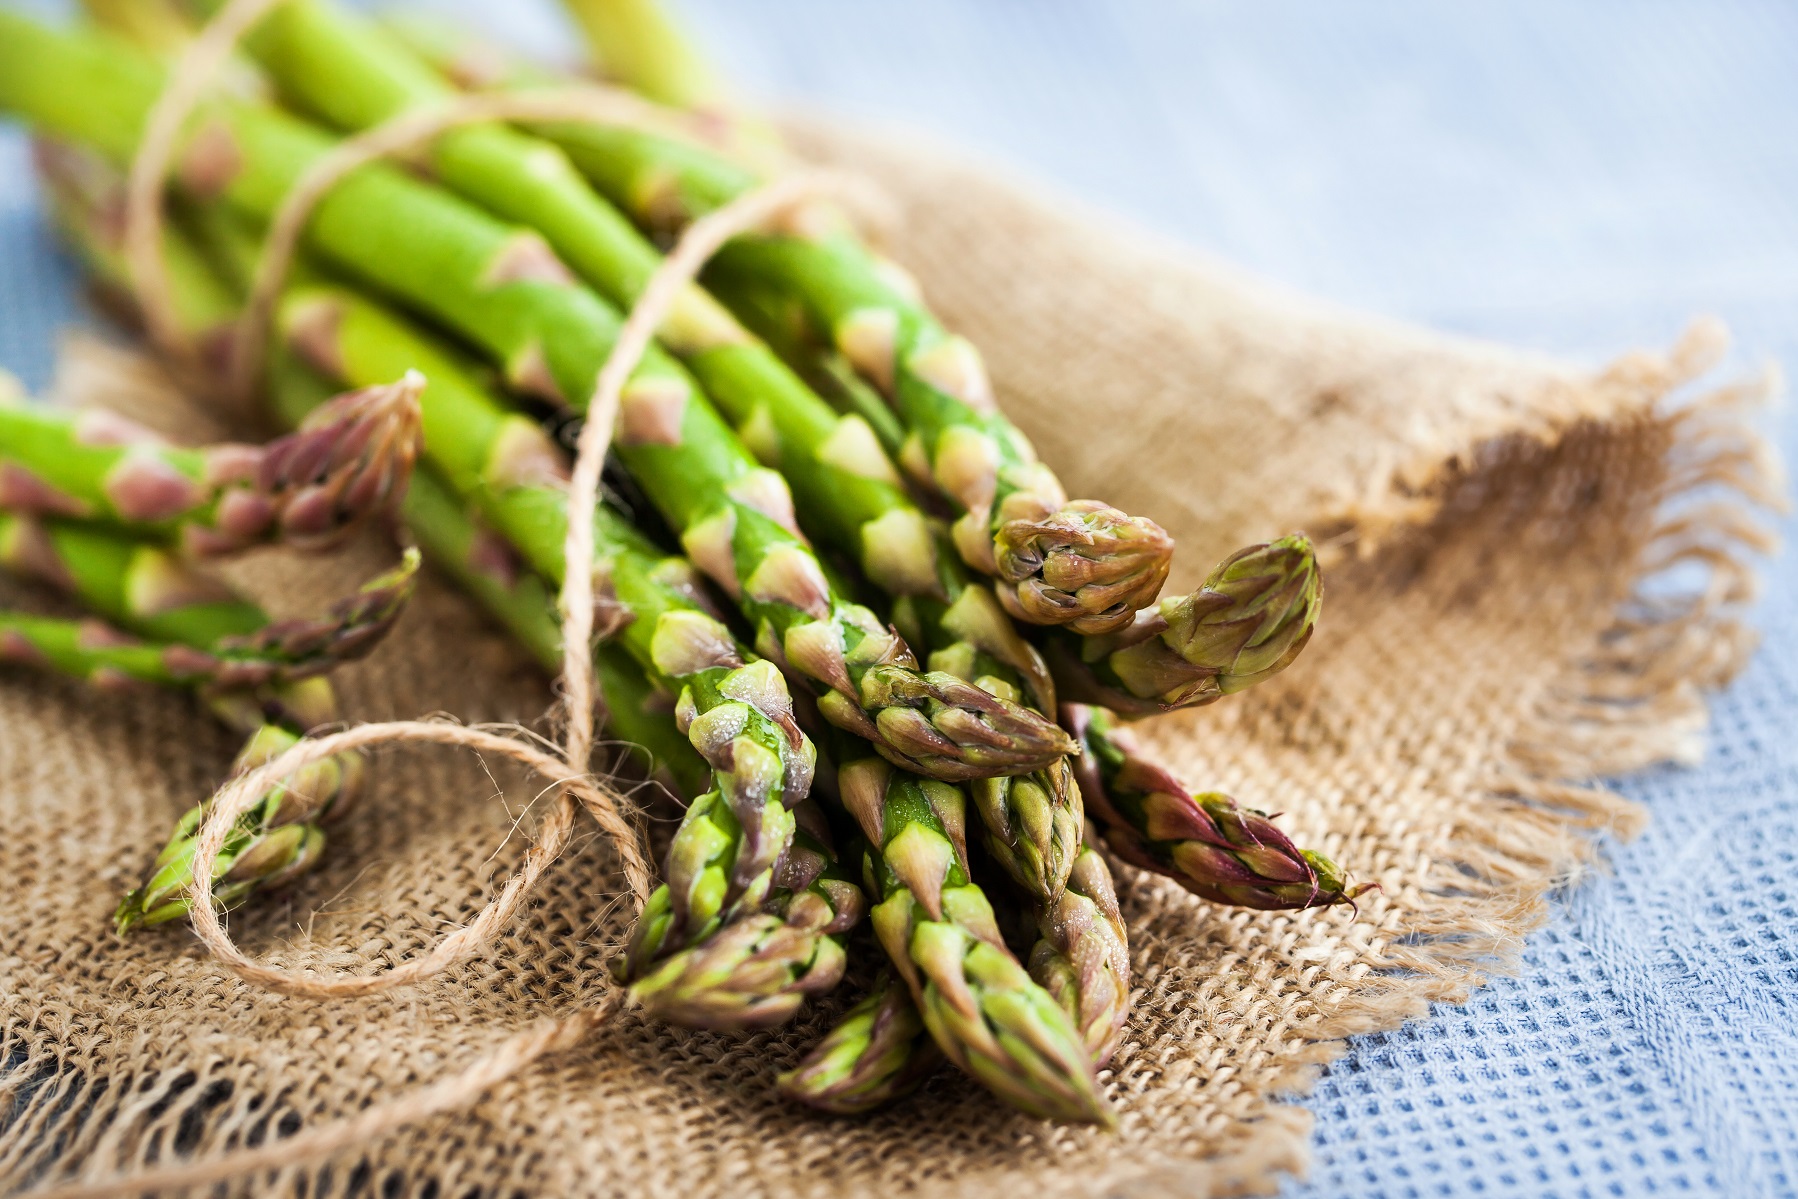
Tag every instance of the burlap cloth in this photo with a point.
(1492, 641)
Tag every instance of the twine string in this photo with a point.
(567, 771)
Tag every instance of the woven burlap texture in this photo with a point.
(1487, 649)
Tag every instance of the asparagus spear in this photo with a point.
(87, 199)
(215, 635)
(277, 840)
(636, 43)
(756, 971)
(1083, 958)
(878, 1052)
(263, 682)
(981, 1007)
(1248, 622)
(1208, 843)
(310, 489)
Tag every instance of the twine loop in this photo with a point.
(568, 769)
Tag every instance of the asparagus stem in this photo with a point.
(638, 44)
(1211, 845)
(878, 1052)
(981, 1007)
(310, 489)
(86, 200)
(1252, 617)
(273, 843)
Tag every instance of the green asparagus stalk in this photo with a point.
(215, 636)
(1248, 622)
(159, 25)
(310, 489)
(271, 844)
(86, 200)
(1205, 841)
(878, 1052)
(981, 1007)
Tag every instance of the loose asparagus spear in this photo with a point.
(981, 1007)
(310, 489)
(1248, 622)
(262, 680)
(1213, 847)
(216, 635)
(277, 840)
(878, 1052)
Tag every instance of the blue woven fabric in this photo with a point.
(1578, 179)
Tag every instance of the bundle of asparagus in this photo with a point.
(821, 481)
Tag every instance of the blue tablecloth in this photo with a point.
(1575, 178)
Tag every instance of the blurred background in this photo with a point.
(1579, 179)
